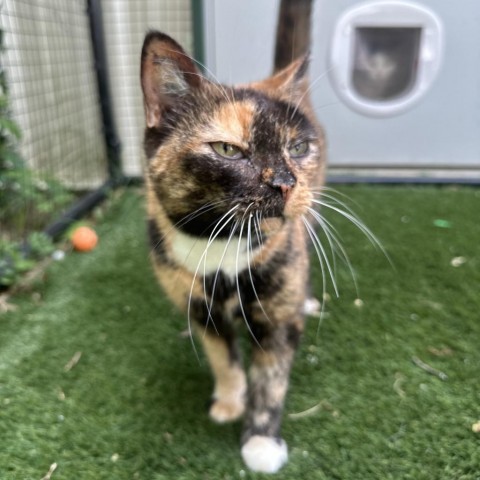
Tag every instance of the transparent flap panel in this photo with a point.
(385, 61)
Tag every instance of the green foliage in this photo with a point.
(40, 245)
(13, 263)
(17, 258)
(28, 199)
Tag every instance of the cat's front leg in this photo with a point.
(219, 343)
(228, 399)
(263, 449)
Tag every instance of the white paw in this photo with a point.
(265, 454)
(311, 306)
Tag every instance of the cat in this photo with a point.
(231, 180)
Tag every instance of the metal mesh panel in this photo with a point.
(125, 24)
(53, 96)
(48, 60)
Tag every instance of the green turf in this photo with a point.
(134, 407)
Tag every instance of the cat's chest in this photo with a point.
(201, 256)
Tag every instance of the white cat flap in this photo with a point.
(385, 55)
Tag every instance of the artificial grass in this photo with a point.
(134, 407)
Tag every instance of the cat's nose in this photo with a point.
(286, 191)
(284, 182)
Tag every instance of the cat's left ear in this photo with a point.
(167, 73)
(291, 83)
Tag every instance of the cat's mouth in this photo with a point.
(267, 213)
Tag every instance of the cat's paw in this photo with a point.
(265, 454)
(312, 306)
(226, 410)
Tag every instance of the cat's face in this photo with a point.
(216, 151)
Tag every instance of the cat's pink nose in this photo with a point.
(286, 191)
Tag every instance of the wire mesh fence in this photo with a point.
(54, 139)
(49, 61)
(52, 98)
(125, 25)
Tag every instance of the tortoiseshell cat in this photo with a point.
(229, 186)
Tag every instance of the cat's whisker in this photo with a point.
(209, 304)
(203, 209)
(314, 239)
(322, 254)
(194, 279)
(328, 193)
(249, 266)
(220, 263)
(188, 218)
(258, 228)
(331, 243)
(309, 89)
(335, 243)
(351, 217)
(330, 231)
(326, 105)
(239, 293)
(218, 228)
(209, 226)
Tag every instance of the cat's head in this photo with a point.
(249, 150)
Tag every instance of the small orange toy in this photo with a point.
(84, 239)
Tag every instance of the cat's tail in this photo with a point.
(293, 31)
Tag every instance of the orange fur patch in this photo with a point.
(232, 123)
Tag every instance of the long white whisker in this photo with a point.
(211, 240)
(199, 211)
(335, 200)
(321, 253)
(335, 243)
(258, 229)
(242, 309)
(311, 85)
(226, 219)
(314, 240)
(358, 223)
(220, 263)
(249, 266)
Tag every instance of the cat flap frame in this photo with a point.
(403, 18)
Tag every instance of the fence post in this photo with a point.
(112, 141)
(198, 33)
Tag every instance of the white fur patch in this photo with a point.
(311, 306)
(193, 254)
(265, 454)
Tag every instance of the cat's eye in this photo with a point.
(227, 150)
(298, 149)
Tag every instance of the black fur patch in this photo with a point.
(154, 138)
(268, 429)
(156, 242)
(214, 321)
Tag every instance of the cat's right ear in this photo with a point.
(167, 73)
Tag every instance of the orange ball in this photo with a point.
(84, 239)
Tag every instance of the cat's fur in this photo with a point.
(227, 234)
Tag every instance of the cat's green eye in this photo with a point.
(298, 149)
(227, 150)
